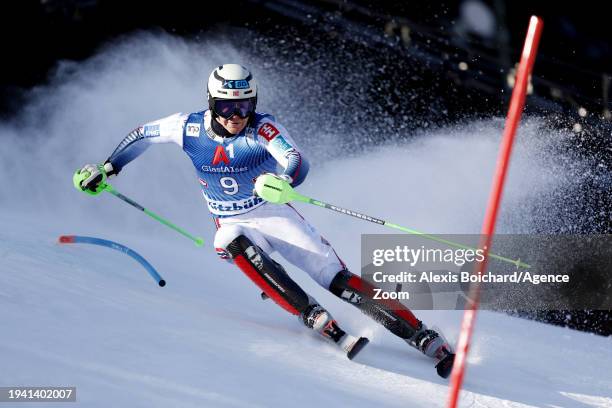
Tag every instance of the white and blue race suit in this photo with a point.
(226, 168)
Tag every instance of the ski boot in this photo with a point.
(318, 319)
(430, 343)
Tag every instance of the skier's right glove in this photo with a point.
(91, 178)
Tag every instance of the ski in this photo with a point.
(357, 347)
(445, 366)
(350, 344)
(332, 332)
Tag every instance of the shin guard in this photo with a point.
(390, 313)
(269, 275)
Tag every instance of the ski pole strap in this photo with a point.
(197, 240)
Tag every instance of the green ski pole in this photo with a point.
(278, 191)
(197, 240)
(82, 174)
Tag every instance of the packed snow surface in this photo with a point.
(90, 317)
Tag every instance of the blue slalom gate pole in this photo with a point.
(76, 239)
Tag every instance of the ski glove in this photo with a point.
(91, 178)
(285, 177)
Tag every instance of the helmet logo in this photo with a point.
(235, 84)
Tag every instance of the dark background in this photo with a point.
(462, 71)
(575, 53)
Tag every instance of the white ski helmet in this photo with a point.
(231, 81)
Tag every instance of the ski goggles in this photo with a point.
(226, 108)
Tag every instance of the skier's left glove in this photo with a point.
(285, 177)
(91, 178)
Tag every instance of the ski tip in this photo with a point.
(445, 366)
(357, 347)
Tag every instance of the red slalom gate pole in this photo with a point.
(517, 103)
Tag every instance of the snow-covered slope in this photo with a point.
(92, 318)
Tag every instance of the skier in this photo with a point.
(230, 145)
